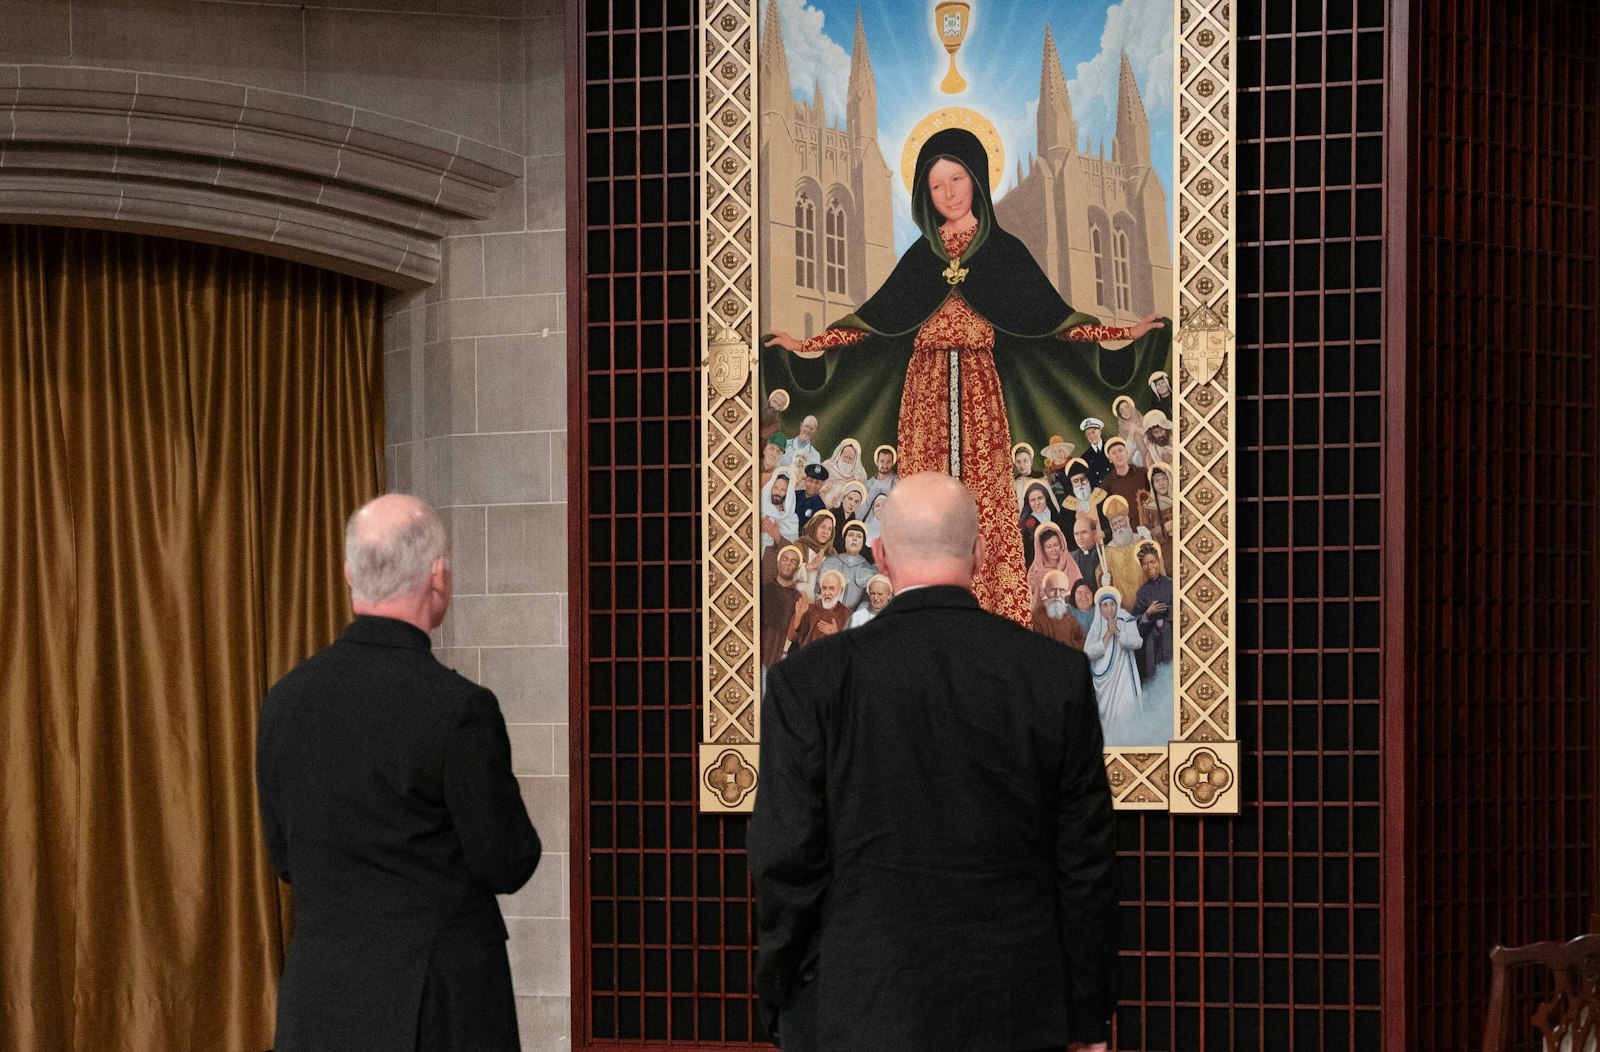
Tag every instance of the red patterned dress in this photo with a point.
(953, 419)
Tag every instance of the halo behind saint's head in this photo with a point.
(954, 117)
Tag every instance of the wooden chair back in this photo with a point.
(1568, 1020)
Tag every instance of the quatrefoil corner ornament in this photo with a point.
(730, 778)
(1203, 778)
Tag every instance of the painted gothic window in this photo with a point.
(835, 246)
(1097, 245)
(1119, 243)
(805, 242)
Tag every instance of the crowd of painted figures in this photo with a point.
(1096, 529)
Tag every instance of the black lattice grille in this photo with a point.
(663, 952)
(1260, 932)
(1263, 932)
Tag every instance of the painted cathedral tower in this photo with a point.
(826, 194)
(1097, 226)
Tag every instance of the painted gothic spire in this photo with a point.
(861, 110)
(1131, 145)
(1057, 128)
(774, 59)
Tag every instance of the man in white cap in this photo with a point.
(1094, 455)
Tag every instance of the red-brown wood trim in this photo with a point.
(1399, 236)
(1593, 686)
(674, 1046)
(577, 506)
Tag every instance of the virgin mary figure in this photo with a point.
(965, 335)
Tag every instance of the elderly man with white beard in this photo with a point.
(827, 615)
(1082, 496)
(779, 523)
(1050, 614)
(1121, 551)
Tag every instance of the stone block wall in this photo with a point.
(474, 366)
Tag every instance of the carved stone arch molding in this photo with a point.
(286, 175)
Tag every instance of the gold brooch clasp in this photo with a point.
(955, 273)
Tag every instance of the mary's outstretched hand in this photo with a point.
(1146, 324)
(784, 340)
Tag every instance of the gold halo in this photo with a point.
(954, 117)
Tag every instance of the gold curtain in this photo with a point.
(183, 430)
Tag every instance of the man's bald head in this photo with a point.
(391, 546)
(930, 531)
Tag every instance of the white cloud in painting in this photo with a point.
(1129, 26)
(1019, 136)
(905, 228)
(814, 58)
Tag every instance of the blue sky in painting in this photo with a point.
(1000, 59)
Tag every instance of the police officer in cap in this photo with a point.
(810, 501)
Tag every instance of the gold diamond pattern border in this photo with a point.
(1205, 745)
(729, 570)
(1207, 696)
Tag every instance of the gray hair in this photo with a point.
(388, 558)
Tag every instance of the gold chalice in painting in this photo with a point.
(952, 18)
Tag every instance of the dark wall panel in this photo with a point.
(1503, 707)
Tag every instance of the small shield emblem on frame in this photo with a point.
(727, 362)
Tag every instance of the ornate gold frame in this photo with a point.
(1198, 771)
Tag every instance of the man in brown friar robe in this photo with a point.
(1126, 479)
(780, 601)
(827, 615)
(1051, 614)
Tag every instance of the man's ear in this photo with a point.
(881, 557)
(347, 573)
(980, 553)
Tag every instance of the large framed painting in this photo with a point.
(991, 239)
